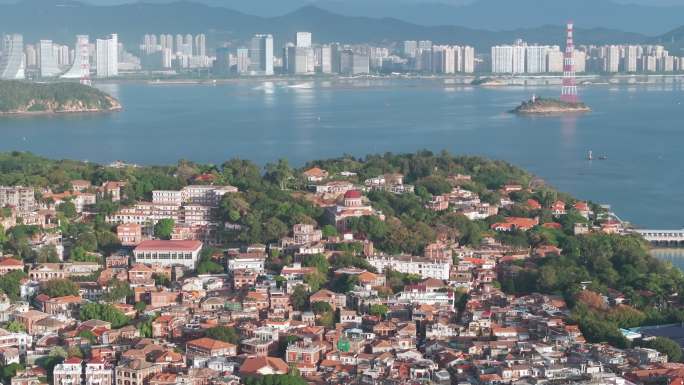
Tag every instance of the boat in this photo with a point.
(590, 155)
(603, 157)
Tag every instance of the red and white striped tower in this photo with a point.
(569, 90)
(83, 52)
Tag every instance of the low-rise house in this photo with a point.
(68, 372)
(263, 366)
(515, 223)
(315, 174)
(129, 234)
(63, 308)
(136, 372)
(336, 300)
(10, 264)
(209, 347)
(247, 261)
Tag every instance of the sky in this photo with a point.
(267, 4)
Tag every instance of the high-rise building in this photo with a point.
(48, 59)
(444, 59)
(242, 60)
(554, 61)
(580, 61)
(425, 45)
(107, 57)
(179, 43)
(303, 39)
(352, 63)
(519, 50)
(222, 64)
(63, 57)
(630, 58)
(410, 48)
(612, 59)
(12, 61)
(187, 45)
(502, 59)
(32, 56)
(535, 56)
(261, 54)
(200, 45)
(468, 59)
(326, 59)
(80, 69)
(300, 60)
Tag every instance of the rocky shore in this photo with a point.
(540, 106)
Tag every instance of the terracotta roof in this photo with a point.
(210, 344)
(11, 262)
(252, 365)
(316, 171)
(352, 194)
(73, 360)
(188, 245)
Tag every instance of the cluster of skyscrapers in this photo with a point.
(48, 59)
(424, 56)
(167, 51)
(632, 59)
(300, 57)
(522, 58)
(106, 57)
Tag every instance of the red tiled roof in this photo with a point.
(352, 194)
(252, 365)
(11, 262)
(73, 360)
(210, 344)
(189, 245)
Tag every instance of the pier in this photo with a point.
(663, 237)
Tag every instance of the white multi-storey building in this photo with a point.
(12, 61)
(107, 59)
(168, 253)
(261, 54)
(502, 59)
(254, 263)
(426, 268)
(48, 59)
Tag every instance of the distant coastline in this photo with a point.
(476, 80)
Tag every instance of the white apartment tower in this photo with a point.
(12, 61)
(107, 57)
(261, 54)
(48, 59)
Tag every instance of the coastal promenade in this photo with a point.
(662, 237)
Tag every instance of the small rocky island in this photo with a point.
(25, 98)
(543, 106)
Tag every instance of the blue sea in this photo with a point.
(638, 127)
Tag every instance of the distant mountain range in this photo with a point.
(61, 20)
(650, 17)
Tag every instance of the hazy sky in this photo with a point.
(295, 3)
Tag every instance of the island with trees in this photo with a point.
(22, 98)
(547, 106)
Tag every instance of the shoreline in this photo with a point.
(62, 112)
(500, 81)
